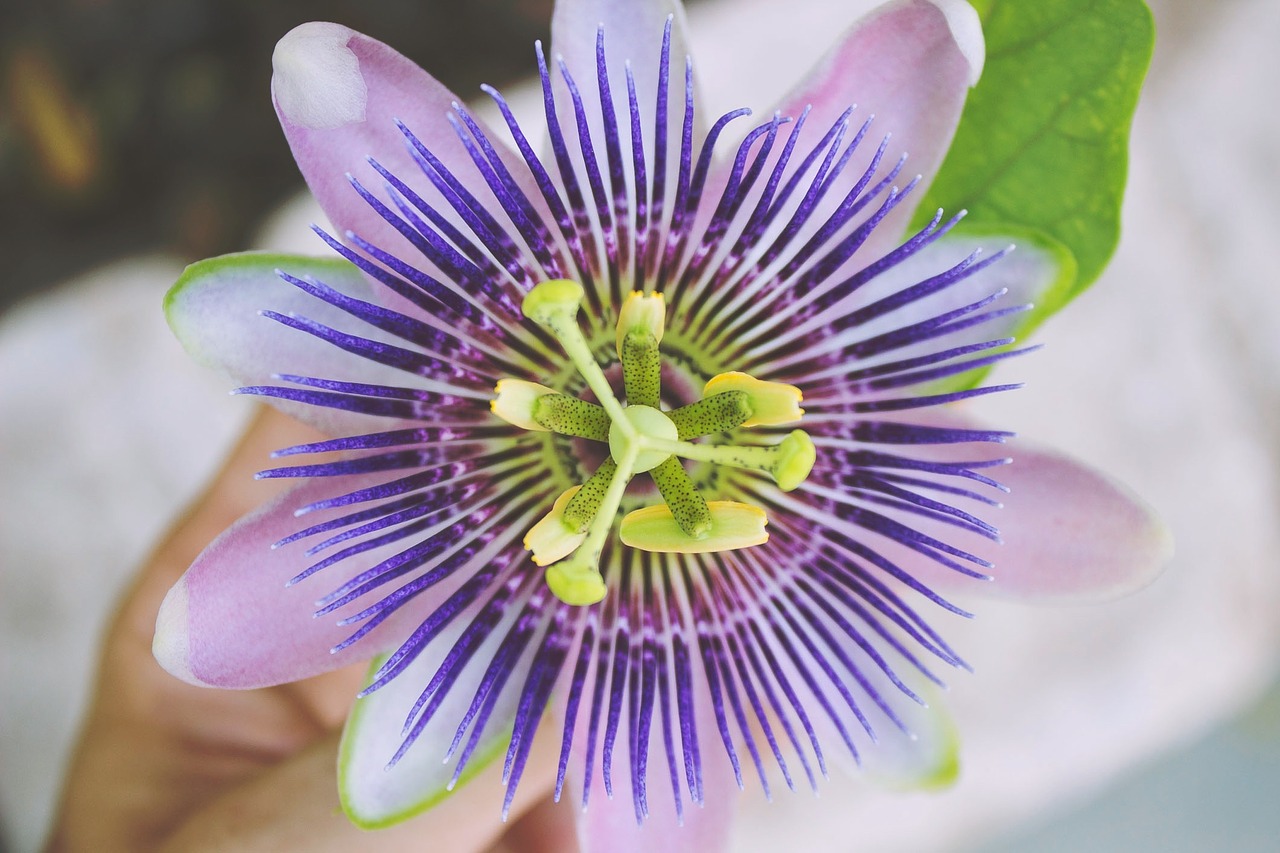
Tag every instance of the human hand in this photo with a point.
(164, 765)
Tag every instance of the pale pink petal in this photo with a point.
(608, 825)
(231, 622)
(633, 31)
(216, 311)
(1068, 532)
(910, 64)
(338, 95)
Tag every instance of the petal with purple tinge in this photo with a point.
(1069, 533)
(338, 95)
(909, 64)
(633, 32)
(216, 310)
(609, 824)
(231, 621)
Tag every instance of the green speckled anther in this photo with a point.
(710, 415)
(571, 416)
(582, 508)
(687, 506)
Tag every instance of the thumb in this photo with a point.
(294, 806)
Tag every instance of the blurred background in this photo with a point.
(146, 125)
(138, 135)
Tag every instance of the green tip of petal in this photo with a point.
(796, 456)
(947, 772)
(576, 585)
(733, 525)
(556, 298)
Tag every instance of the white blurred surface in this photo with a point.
(1167, 375)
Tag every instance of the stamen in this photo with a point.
(642, 311)
(577, 580)
(586, 503)
(641, 368)
(772, 403)
(788, 462)
(517, 403)
(712, 414)
(679, 493)
(553, 538)
(734, 525)
(641, 322)
(554, 306)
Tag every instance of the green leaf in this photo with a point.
(1043, 142)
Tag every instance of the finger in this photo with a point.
(548, 827)
(151, 747)
(295, 806)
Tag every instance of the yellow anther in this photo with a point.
(516, 400)
(772, 403)
(551, 539)
(733, 525)
(642, 311)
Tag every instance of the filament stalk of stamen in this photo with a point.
(567, 415)
(681, 496)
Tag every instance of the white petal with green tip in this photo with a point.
(1038, 272)
(928, 759)
(215, 310)
(375, 795)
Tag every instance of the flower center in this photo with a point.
(647, 426)
(642, 438)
